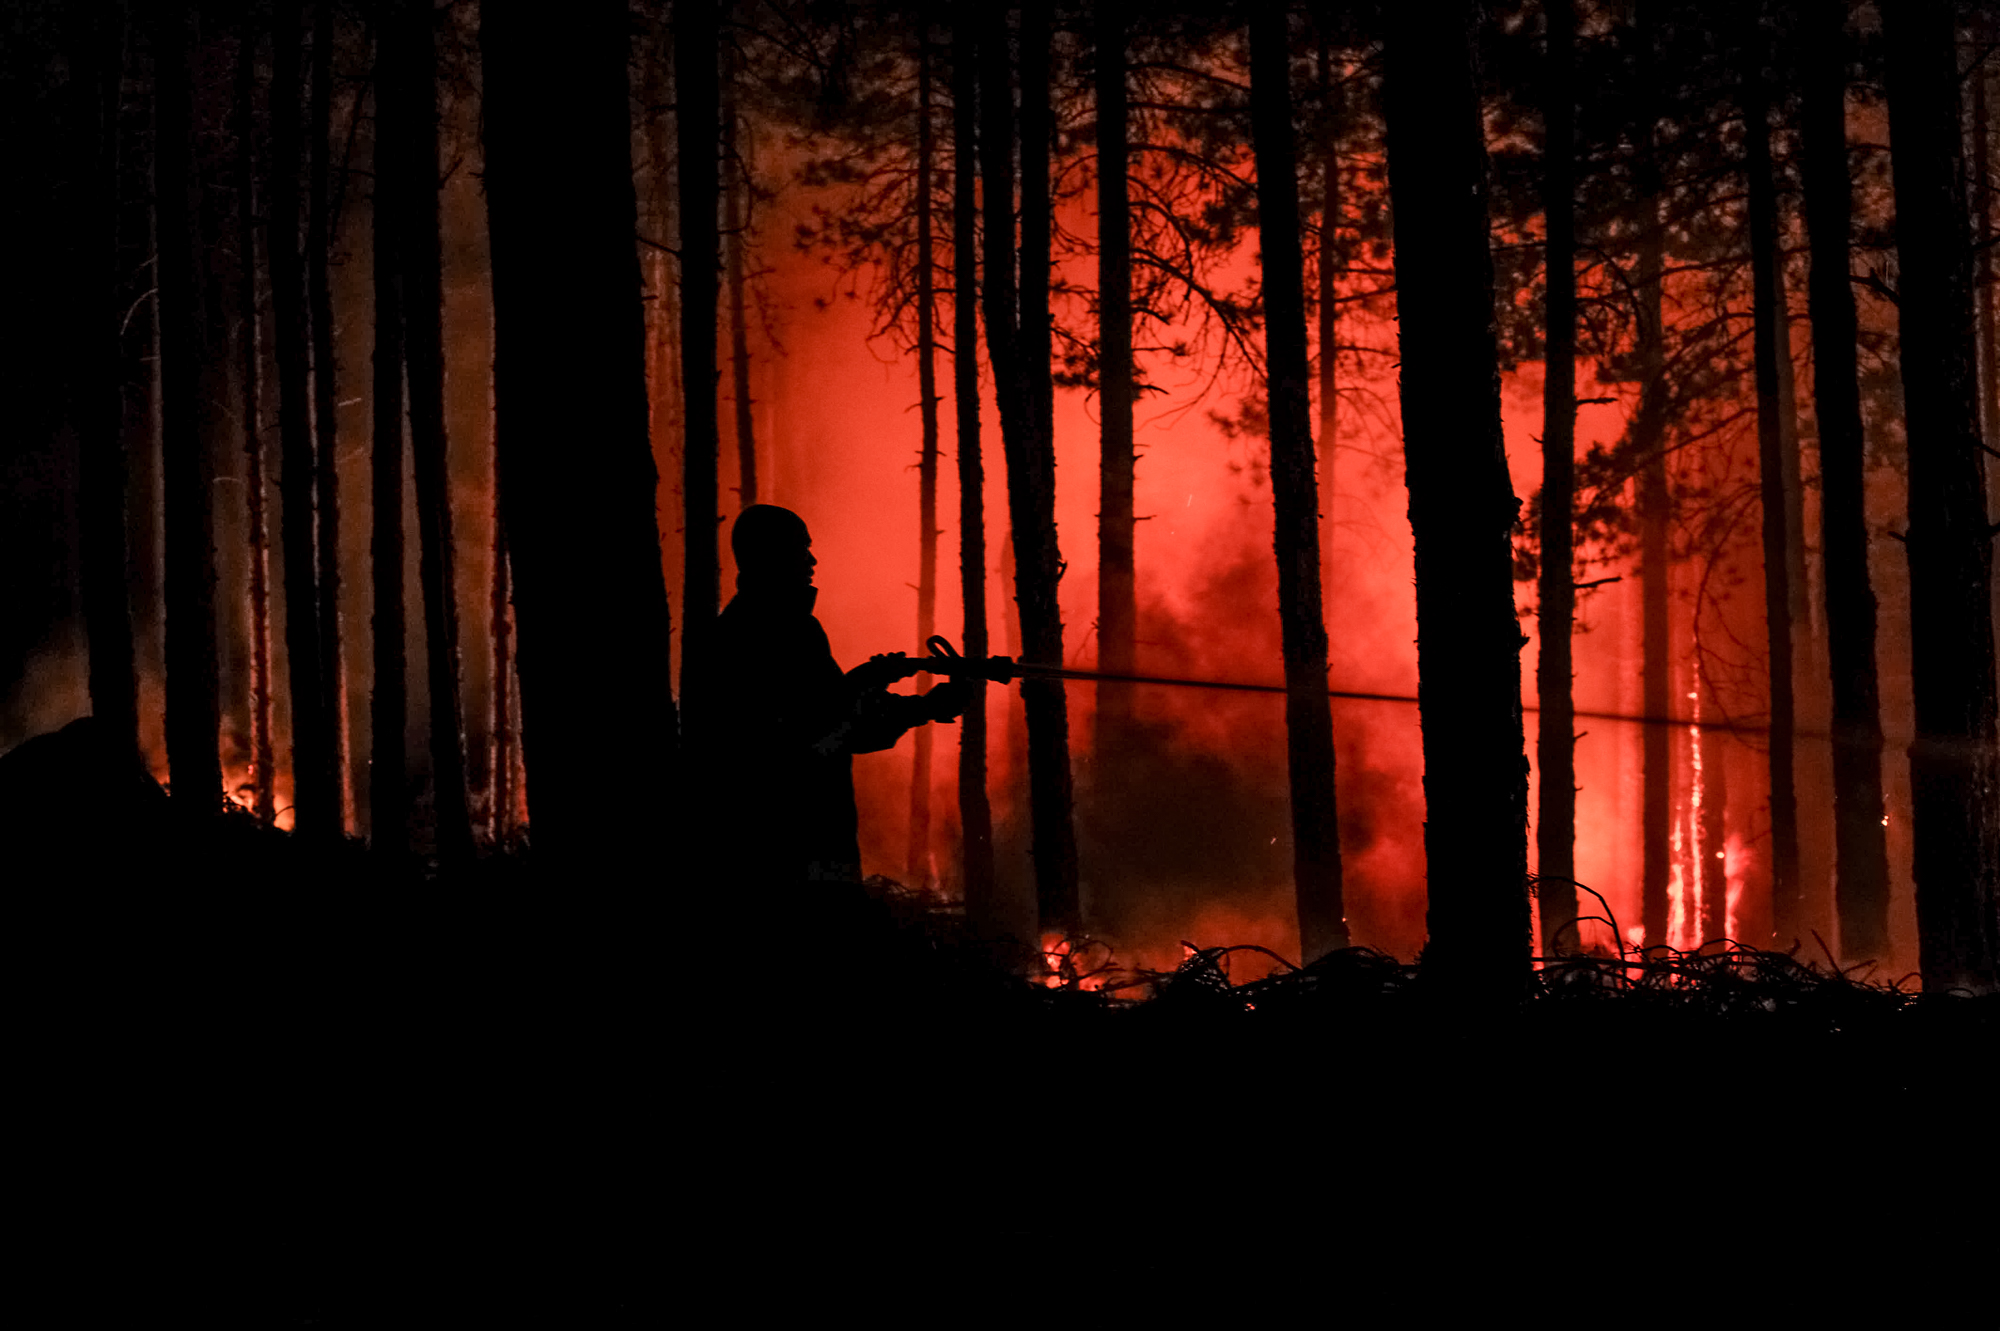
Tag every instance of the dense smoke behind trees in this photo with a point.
(194, 336)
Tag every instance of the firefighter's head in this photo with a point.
(772, 547)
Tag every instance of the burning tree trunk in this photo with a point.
(1117, 589)
(736, 222)
(1861, 856)
(1462, 506)
(416, 197)
(96, 409)
(1294, 491)
(326, 456)
(975, 811)
(1954, 768)
(194, 714)
(1555, 827)
(250, 352)
(590, 601)
(315, 752)
(388, 773)
(917, 867)
(695, 112)
(1767, 291)
(1017, 338)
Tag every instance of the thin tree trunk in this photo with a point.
(326, 448)
(1462, 506)
(736, 220)
(1017, 336)
(695, 102)
(423, 350)
(975, 811)
(250, 349)
(388, 773)
(1555, 825)
(500, 773)
(1982, 225)
(1767, 288)
(96, 406)
(590, 601)
(194, 714)
(1714, 836)
(1316, 869)
(1117, 578)
(315, 754)
(1861, 856)
(1954, 768)
(1649, 430)
(1329, 308)
(918, 860)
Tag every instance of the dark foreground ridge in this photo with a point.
(342, 1050)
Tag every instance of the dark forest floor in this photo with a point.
(353, 1057)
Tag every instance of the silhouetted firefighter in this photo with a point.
(785, 720)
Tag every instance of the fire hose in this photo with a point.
(943, 660)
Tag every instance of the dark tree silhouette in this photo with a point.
(1770, 345)
(735, 239)
(1017, 340)
(917, 861)
(696, 117)
(569, 370)
(1117, 586)
(1295, 495)
(1861, 854)
(1954, 765)
(1555, 825)
(315, 751)
(250, 374)
(416, 197)
(194, 715)
(388, 771)
(1462, 506)
(975, 811)
(97, 41)
(325, 396)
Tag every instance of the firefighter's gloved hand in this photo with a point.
(949, 700)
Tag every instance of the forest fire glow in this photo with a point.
(1169, 454)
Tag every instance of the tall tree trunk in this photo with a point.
(918, 860)
(1954, 768)
(96, 391)
(500, 791)
(1329, 306)
(194, 714)
(326, 448)
(1983, 240)
(590, 601)
(1462, 506)
(695, 103)
(1767, 289)
(1017, 337)
(1713, 839)
(315, 753)
(1117, 578)
(250, 351)
(388, 772)
(975, 810)
(735, 223)
(423, 351)
(1316, 866)
(1555, 825)
(1861, 856)
(1655, 503)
